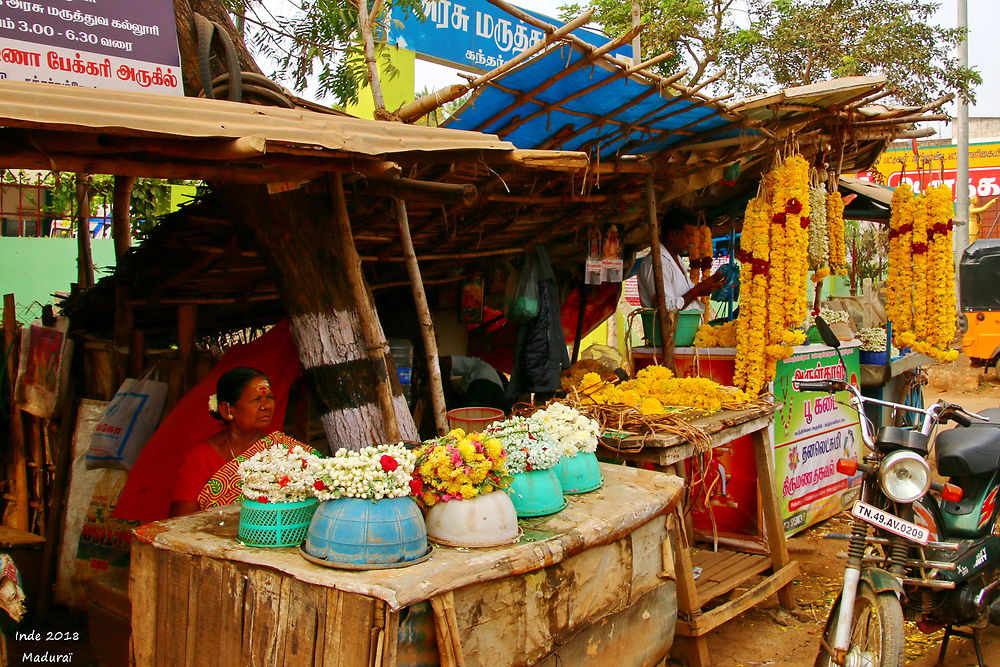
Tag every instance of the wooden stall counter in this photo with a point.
(720, 572)
(592, 584)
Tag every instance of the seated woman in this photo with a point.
(208, 475)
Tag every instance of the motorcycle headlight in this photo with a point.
(904, 476)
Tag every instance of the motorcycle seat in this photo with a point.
(969, 451)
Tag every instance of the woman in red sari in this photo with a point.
(208, 475)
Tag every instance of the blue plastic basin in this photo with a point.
(353, 531)
(536, 493)
(579, 474)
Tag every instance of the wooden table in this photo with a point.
(723, 571)
(592, 584)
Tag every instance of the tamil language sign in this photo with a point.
(473, 34)
(116, 44)
(933, 165)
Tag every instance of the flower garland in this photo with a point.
(529, 446)
(371, 473)
(655, 389)
(819, 235)
(574, 431)
(459, 466)
(829, 316)
(701, 253)
(838, 243)
(721, 335)
(773, 302)
(899, 283)
(872, 339)
(279, 474)
(933, 277)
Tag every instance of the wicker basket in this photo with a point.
(275, 524)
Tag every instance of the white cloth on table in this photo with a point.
(676, 282)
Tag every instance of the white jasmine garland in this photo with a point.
(819, 234)
(574, 431)
(829, 316)
(279, 474)
(364, 473)
(872, 339)
(529, 446)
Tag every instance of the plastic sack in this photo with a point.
(127, 423)
(525, 305)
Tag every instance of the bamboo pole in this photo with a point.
(121, 220)
(366, 310)
(187, 331)
(666, 319)
(584, 293)
(424, 317)
(15, 512)
(84, 260)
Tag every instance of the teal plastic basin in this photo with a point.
(579, 474)
(536, 493)
(688, 322)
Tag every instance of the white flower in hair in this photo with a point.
(213, 403)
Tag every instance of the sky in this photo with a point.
(983, 17)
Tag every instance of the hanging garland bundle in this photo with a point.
(899, 283)
(819, 234)
(932, 274)
(774, 266)
(838, 243)
(701, 254)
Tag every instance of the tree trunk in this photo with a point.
(187, 38)
(292, 234)
(121, 215)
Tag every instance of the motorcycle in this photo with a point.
(918, 550)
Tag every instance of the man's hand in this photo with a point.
(710, 284)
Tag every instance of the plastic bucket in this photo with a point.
(879, 358)
(688, 322)
(473, 420)
(275, 524)
(402, 356)
(579, 474)
(536, 493)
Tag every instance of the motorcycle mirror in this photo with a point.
(826, 333)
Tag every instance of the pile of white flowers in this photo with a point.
(373, 473)
(279, 474)
(819, 234)
(829, 316)
(528, 445)
(574, 431)
(872, 339)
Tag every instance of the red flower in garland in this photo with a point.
(283, 482)
(743, 256)
(793, 206)
(804, 222)
(262, 499)
(761, 267)
(388, 463)
(918, 248)
(779, 219)
(416, 487)
(319, 485)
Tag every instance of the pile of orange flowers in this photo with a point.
(920, 295)
(773, 268)
(655, 389)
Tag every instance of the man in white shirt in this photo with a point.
(681, 293)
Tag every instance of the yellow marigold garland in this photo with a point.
(933, 274)
(838, 244)
(899, 283)
(752, 322)
(701, 253)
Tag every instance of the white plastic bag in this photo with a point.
(127, 423)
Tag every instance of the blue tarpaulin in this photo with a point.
(617, 115)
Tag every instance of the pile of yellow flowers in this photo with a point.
(655, 388)
(773, 267)
(721, 335)
(920, 295)
(838, 242)
(459, 466)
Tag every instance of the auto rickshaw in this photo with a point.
(979, 273)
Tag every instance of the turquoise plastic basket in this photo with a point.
(275, 524)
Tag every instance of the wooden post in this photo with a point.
(16, 508)
(665, 317)
(121, 218)
(637, 40)
(36, 465)
(370, 329)
(137, 352)
(774, 527)
(84, 260)
(424, 317)
(584, 293)
(187, 331)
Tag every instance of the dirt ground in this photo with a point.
(768, 635)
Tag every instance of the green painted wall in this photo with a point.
(34, 268)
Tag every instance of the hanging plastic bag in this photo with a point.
(127, 423)
(525, 307)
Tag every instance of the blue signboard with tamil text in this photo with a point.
(473, 34)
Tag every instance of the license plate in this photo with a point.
(890, 522)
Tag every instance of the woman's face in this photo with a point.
(254, 409)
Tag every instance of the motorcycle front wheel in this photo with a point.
(877, 635)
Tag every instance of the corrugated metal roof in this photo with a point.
(820, 95)
(44, 106)
(619, 115)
